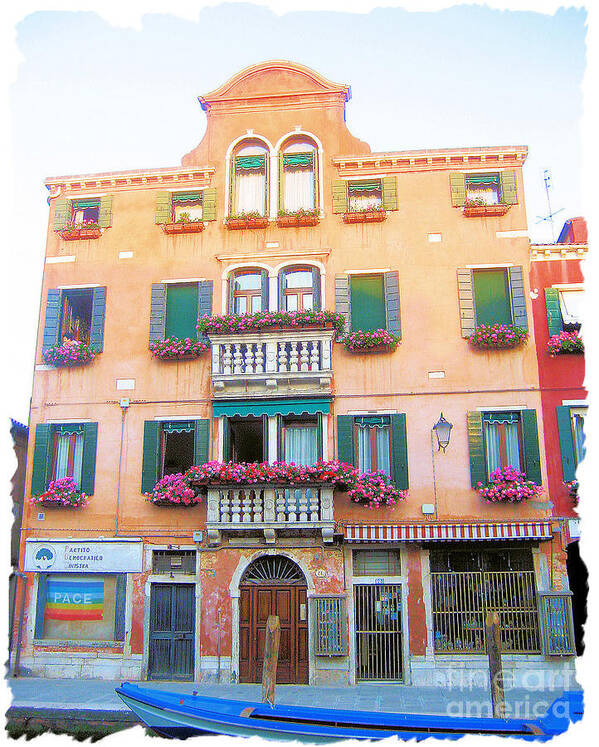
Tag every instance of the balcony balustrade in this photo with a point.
(268, 509)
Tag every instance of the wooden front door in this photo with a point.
(172, 624)
(289, 602)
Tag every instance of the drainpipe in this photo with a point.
(124, 403)
(17, 663)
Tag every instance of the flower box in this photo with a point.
(269, 321)
(237, 224)
(175, 349)
(183, 227)
(367, 216)
(174, 491)
(75, 234)
(294, 221)
(61, 493)
(566, 343)
(375, 489)
(70, 353)
(572, 488)
(478, 211)
(508, 485)
(377, 341)
(497, 337)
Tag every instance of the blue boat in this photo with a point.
(178, 715)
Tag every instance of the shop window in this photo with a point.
(300, 289)
(85, 212)
(365, 195)
(249, 180)
(301, 440)
(298, 183)
(248, 292)
(177, 446)
(373, 444)
(377, 563)
(503, 440)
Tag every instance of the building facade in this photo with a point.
(281, 209)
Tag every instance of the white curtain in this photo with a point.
(383, 457)
(488, 193)
(364, 455)
(492, 447)
(299, 189)
(512, 445)
(300, 445)
(251, 193)
(571, 306)
(578, 423)
(62, 456)
(364, 200)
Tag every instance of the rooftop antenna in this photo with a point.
(549, 217)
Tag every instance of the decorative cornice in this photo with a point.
(274, 253)
(552, 252)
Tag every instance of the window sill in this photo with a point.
(385, 348)
(60, 644)
(178, 228)
(478, 211)
(294, 221)
(238, 224)
(372, 216)
(78, 234)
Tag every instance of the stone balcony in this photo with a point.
(292, 361)
(269, 509)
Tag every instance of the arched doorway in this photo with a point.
(273, 585)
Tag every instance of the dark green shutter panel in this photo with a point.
(201, 441)
(182, 303)
(62, 213)
(158, 312)
(205, 301)
(227, 445)
(399, 451)
(119, 616)
(281, 183)
(264, 288)
(265, 438)
(466, 302)
(519, 315)
(342, 299)
(340, 201)
(149, 468)
(231, 293)
(345, 438)
(457, 185)
(280, 441)
(319, 437)
(281, 290)
(88, 465)
(42, 458)
(492, 297)
(389, 185)
(555, 323)
(478, 471)
(507, 181)
(40, 604)
(98, 315)
(316, 294)
(52, 322)
(566, 442)
(392, 309)
(530, 438)
(209, 204)
(105, 214)
(164, 207)
(367, 303)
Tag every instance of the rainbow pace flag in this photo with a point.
(74, 600)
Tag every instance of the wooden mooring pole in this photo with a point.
(271, 658)
(495, 670)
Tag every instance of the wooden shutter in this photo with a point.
(316, 293)
(530, 439)
(164, 207)
(105, 213)
(342, 299)
(119, 612)
(478, 467)
(205, 301)
(281, 290)
(88, 462)
(40, 604)
(209, 204)
(182, 303)
(519, 315)
(158, 312)
(566, 442)
(345, 438)
(340, 200)
(281, 183)
(42, 458)
(280, 440)
(98, 315)
(466, 302)
(315, 161)
(201, 441)
(492, 297)
(507, 181)
(150, 461)
(227, 446)
(399, 451)
(457, 185)
(265, 438)
(264, 288)
(555, 322)
(367, 293)
(392, 309)
(389, 186)
(62, 213)
(52, 322)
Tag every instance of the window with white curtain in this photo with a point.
(67, 458)
(365, 195)
(483, 188)
(503, 440)
(299, 170)
(300, 441)
(373, 443)
(578, 414)
(570, 302)
(249, 179)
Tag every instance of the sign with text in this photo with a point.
(83, 556)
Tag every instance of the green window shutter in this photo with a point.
(150, 462)
(457, 185)
(88, 463)
(345, 438)
(466, 302)
(367, 302)
(281, 183)
(392, 309)
(399, 451)
(316, 294)
(342, 299)
(566, 442)
(209, 204)
(491, 297)
(52, 321)
(478, 467)
(389, 185)
(530, 438)
(227, 445)
(119, 613)
(340, 201)
(42, 458)
(264, 282)
(519, 316)
(164, 207)
(205, 301)
(265, 438)
(98, 315)
(40, 604)
(201, 441)
(315, 185)
(507, 182)
(158, 312)
(280, 441)
(62, 213)
(105, 214)
(182, 303)
(555, 322)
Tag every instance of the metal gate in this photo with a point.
(377, 610)
(172, 618)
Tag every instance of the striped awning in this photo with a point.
(520, 530)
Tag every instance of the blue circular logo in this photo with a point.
(44, 558)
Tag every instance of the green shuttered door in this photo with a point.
(367, 303)
(182, 310)
(492, 297)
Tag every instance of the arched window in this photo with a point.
(249, 179)
(299, 289)
(248, 291)
(298, 175)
